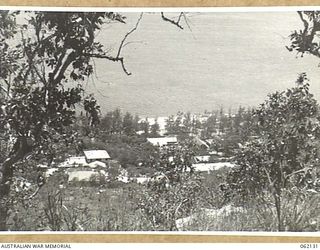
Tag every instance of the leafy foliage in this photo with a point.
(306, 40)
(173, 190)
(44, 61)
(285, 152)
(59, 49)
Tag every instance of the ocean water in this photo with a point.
(221, 59)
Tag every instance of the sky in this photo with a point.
(221, 59)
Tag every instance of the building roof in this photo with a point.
(74, 161)
(96, 164)
(161, 141)
(206, 167)
(96, 154)
(83, 175)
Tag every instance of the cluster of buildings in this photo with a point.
(84, 167)
(95, 163)
(210, 160)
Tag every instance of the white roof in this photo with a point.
(73, 161)
(50, 171)
(142, 180)
(206, 167)
(76, 160)
(160, 141)
(96, 164)
(83, 175)
(96, 154)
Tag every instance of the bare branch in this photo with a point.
(41, 77)
(128, 43)
(33, 194)
(128, 34)
(118, 57)
(179, 206)
(305, 23)
(176, 23)
(271, 183)
(110, 58)
(186, 21)
(303, 170)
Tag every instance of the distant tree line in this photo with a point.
(117, 123)
(225, 130)
(114, 122)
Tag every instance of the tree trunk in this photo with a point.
(20, 149)
(6, 175)
(277, 199)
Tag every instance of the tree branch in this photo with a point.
(59, 63)
(176, 23)
(110, 58)
(305, 23)
(128, 34)
(33, 194)
(308, 34)
(118, 57)
(63, 69)
(297, 172)
(35, 69)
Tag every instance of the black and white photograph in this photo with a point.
(149, 120)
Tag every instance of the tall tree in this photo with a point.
(170, 128)
(43, 64)
(44, 61)
(155, 129)
(187, 122)
(286, 151)
(106, 122)
(210, 126)
(128, 124)
(145, 126)
(117, 125)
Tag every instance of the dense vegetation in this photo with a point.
(274, 185)
(275, 181)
